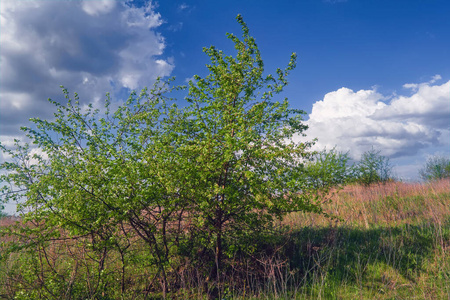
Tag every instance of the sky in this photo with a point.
(369, 73)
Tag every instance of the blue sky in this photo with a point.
(356, 44)
(369, 73)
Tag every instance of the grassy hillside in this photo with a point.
(389, 241)
(392, 242)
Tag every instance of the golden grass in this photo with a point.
(402, 244)
(389, 204)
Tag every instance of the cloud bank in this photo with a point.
(90, 47)
(399, 125)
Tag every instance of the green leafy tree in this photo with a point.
(197, 179)
(373, 168)
(329, 168)
(237, 143)
(436, 167)
(2, 213)
(98, 177)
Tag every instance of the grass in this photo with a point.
(392, 242)
(389, 241)
(389, 204)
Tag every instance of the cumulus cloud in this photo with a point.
(398, 125)
(94, 8)
(90, 47)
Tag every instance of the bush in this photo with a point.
(155, 186)
(2, 213)
(329, 168)
(372, 168)
(436, 167)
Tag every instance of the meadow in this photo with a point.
(383, 241)
(392, 242)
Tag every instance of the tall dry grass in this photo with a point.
(388, 204)
(388, 241)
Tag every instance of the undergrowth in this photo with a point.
(389, 241)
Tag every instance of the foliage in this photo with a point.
(334, 168)
(392, 242)
(436, 167)
(152, 182)
(246, 164)
(2, 213)
(373, 168)
(329, 168)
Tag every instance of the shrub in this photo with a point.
(372, 168)
(436, 167)
(155, 184)
(329, 167)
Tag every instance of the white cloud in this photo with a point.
(357, 121)
(183, 6)
(90, 47)
(416, 86)
(186, 80)
(429, 104)
(95, 8)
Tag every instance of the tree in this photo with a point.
(180, 180)
(329, 168)
(2, 213)
(244, 172)
(97, 181)
(373, 168)
(436, 167)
